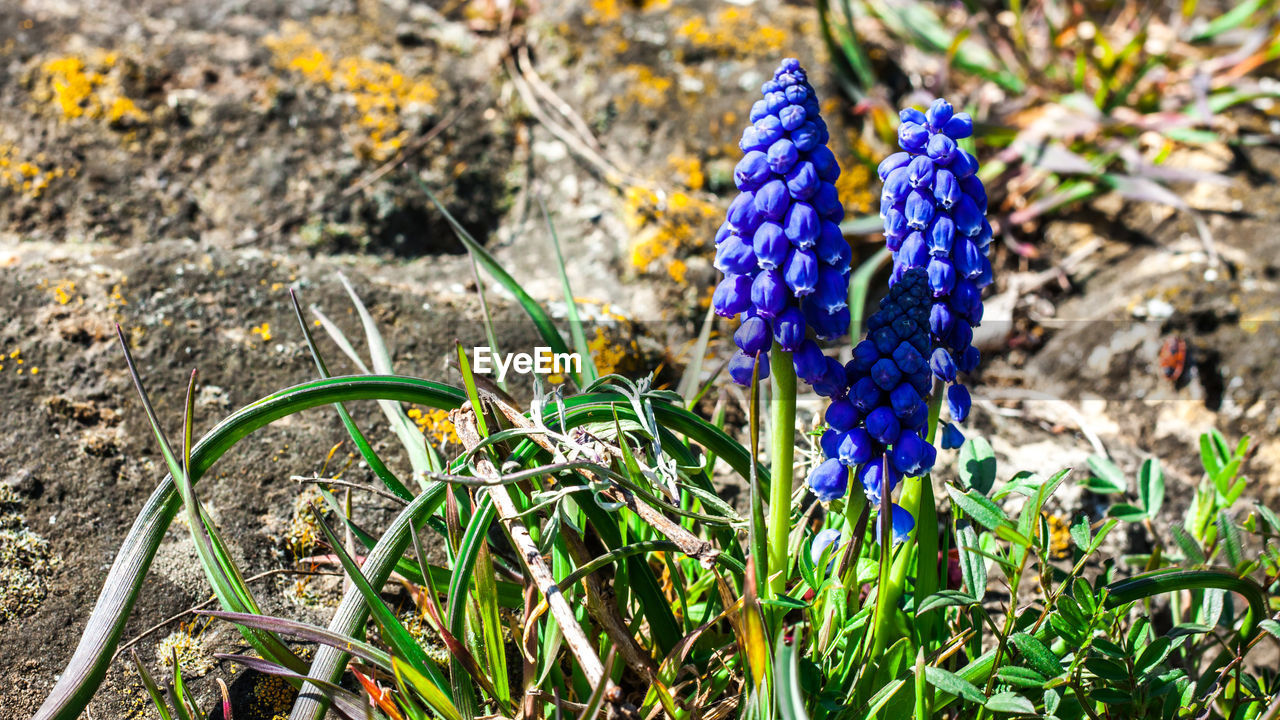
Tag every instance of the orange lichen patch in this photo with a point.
(607, 12)
(86, 86)
(668, 228)
(379, 92)
(689, 170)
(24, 176)
(734, 32)
(856, 183)
(436, 423)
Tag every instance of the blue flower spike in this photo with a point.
(934, 211)
(785, 261)
(884, 416)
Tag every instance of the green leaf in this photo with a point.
(973, 567)
(1269, 516)
(1020, 677)
(1038, 656)
(1127, 512)
(1151, 486)
(1081, 533)
(1107, 669)
(944, 599)
(977, 506)
(951, 683)
(1153, 655)
(589, 372)
(1271, 627)
(1107, 479)
(1010, 702)
(157, 699)
(1209, 456)
(1230, 533)
(977, 465)
(1190, 548)
(1230, 20)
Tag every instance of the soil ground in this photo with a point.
(184, 164)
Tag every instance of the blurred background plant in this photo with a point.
(1073, 99)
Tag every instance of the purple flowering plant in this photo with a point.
(591, 564)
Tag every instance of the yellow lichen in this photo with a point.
(609, 356)
(436, 423)
(187, 644)
(24, 176)
(86, 86)
(380, 94)
(733, 32)
(263, 331)
(644, 88)
(667, 228)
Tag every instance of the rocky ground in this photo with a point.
(177, 167)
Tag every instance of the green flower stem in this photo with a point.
(913, 490)
(782, 451)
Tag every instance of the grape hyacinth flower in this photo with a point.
(934, 210)
(784, 259)
(877, 426)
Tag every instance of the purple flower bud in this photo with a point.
(952, 438)
(984, 278)
(968, 361)
(914, 252)
(752, 335)
(829, 481)
(973, 187)
(788, 328)
(841, 415)
(938, 114)
(759, 110)
(832, 383)
(802, 225)
(769, 293)
(856, 447)
(770, 245)
(895, 226)
(941, 320)
(734, 256)
(792, 117)
(769, 128)
(958, 402)
(904, 400)
(912, 137)
(942, 276)
(882, 425)
(941, 235)
(829, 325)
(807, 136)
(825, 162)
(752, 171)
(919, 210)
(968, 219)
(832, 248)
(941, 148)
(864, 356)
(864, 394)
(751, 140)
(829, 538)
(809, 361)
(912, 115)
(942, 365)
(782, 156)
(946, 189)
(885, 374)
(732, 295)
(900, 522)
(772, 200)
(769, 86)
(959, 127)
(796, 95)
(984, 236)
(968, 260)
(830, 441)
(832, 290)
(802, 180)
(724, 232)
(920, 413)
(801, 273)
(742, 215)
(891, 163)
(908, 359)
(963, 164)
(827, 202)
(741, 368)
(920, 172)
(908, 454)
(961, 336)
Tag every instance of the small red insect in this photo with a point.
(1173, 358)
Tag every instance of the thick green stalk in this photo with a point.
(782, 451)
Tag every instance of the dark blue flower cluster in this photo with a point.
(934, 210)
(876, 426)
(785, 261)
